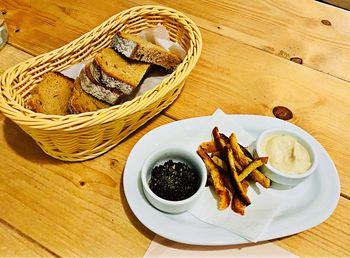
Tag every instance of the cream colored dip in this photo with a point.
(286, 154)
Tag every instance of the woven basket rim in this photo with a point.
(26, 117)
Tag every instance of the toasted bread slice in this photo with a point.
(115, 71)
(81, 102)
(137, 48)
(98, 90)
(51, 96)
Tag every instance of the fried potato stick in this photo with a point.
(246, 171)
(237, 152)
(246, 152)
(255, 175)
(219, 141)
(237, 205)
(236, 183)
(219, 162)
(259, 177)
(251, 167)
(225, 138)
(218, 182)
(209, 147)
(221, 165)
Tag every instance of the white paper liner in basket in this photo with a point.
(157, 35)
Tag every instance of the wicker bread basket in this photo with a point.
(87, 135)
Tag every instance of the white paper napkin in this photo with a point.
(258, 215)
(161, 247)
(74, 70)
(149, 83)
(160, 36)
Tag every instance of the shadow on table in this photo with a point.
(162, 241)
(132, 218)
(23, 144)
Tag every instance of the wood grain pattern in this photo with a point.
(43, 25)
(313, 242)
(249, 81)
(80, 209)
(287, 29)
(71, 208)
(14, 243)
(10, 56)
(40, 26)
(83, 203)
(339, 3)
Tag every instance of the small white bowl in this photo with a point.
(175, 154)
(280, 176)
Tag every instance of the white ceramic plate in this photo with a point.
(308, 204)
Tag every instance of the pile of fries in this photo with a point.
(230, 169)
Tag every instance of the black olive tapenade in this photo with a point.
(174, 181)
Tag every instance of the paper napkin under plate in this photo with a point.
(161, 247)
(258, 215)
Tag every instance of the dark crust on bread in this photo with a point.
(107, 78)
(81, 101)
(89, 74)
(86, 84)
(136, 51)
(170, 63)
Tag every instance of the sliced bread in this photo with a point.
(116, 71)
(51, 96)
(137, 48)
(81, 102)
(110, 95)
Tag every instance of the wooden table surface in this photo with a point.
(256, 55)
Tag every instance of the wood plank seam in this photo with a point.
(278, 56)
(169, 116)
(345, 196)
(173, 118)
(281, 54)
(30, 239)
(20, 48)
(336, 4)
